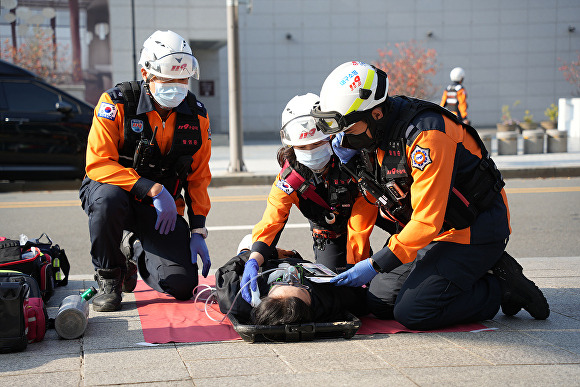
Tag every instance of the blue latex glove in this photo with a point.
(197, 247)
(360, 274)
(344, 154)
(166, 212)
(250, 272)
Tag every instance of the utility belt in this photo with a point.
(323, 237)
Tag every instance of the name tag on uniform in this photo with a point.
(108, 111)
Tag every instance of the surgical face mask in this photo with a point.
(315, 159)
(357, 141)
(169, 95)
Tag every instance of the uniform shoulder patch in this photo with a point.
(284, 186)
(420, 157)
(116, 95)
(108, 111)
(201, 109)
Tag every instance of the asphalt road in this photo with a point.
(545, 216)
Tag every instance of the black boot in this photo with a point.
(517, 291)
(131, 248)
(108, 299)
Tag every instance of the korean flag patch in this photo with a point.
(420, 157)
(108, 111)
(284, 186)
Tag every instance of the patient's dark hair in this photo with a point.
(281, 311)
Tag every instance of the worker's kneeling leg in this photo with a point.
(424, 307)
(384, 289)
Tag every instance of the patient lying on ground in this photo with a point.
(285, 298)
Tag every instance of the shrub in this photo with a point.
(552, 112)
(506, 115)
(40, 55)
(571, 72)
(410, 68)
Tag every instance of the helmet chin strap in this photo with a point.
(147, 81)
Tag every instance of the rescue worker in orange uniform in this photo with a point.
(433, 176)
(149, 145)
(454, 97)
(312, 180)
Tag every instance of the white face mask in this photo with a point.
(315, 159)
(169, 95)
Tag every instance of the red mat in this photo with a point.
(166, 320)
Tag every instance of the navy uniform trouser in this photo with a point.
(166, 263)
(449, 284)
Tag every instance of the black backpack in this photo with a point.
(46, 262)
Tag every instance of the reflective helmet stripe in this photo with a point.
(368, 83)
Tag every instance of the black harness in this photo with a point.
(328, 216)
(471, 194)
(140, 150)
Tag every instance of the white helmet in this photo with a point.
(298, 126)
(457, 75)
(351, 88)
(167, 55)
(245, 244)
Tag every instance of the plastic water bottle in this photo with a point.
(73, 315)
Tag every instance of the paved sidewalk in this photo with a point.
(521, 351)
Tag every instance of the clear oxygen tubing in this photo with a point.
(212, 295)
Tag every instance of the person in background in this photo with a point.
(454, 97)
(149, 144)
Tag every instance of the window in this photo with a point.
(30, 97)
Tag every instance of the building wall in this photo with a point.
(510, 50)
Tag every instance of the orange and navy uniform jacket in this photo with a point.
(439, 151)
(106, 138)
(282, 197)
(454, 99)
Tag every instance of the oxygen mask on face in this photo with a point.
(287, 275)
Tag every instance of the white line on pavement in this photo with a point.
(251, 226)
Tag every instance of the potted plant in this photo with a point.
(552, 114)
(528, 122)
(507, 122)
